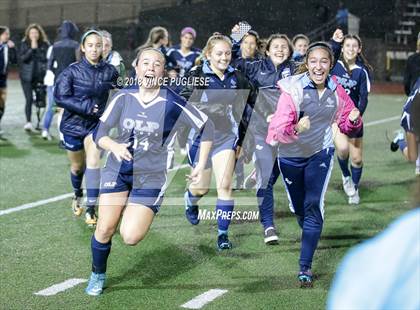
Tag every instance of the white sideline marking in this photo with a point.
(36, 204)
(203, 299)
(381, 121)
(60, 287)
(57, 198)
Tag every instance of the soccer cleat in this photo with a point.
(76, 206)
(270, 236)
(223, 242)
(28, 127)
(305, 278)
(355, 199)
(394, 144)
(96, 284)
(251, 180)
(191, 211)
(90, 217)
(348, 186)
(46, 135)
(183, 151)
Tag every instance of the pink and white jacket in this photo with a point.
(298, 93)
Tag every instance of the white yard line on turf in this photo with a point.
(36, 204)
(57, 198)
(381, 121)
(60, 287)
(203, 299)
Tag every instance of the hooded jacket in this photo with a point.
(64, 51)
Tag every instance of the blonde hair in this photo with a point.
(155, 35)
(213, 40)
(141, 51)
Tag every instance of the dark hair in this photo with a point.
(320, 44)
(84, 37)
(298, 37)
(254, 34)
(360, 57)
(262, 46)
(280, 36)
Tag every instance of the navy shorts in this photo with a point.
(73, 144)
(221, 142)
(145, 188)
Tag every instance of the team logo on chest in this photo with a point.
(232, 83)
(330, 103)
(140, 125)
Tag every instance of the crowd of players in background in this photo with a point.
(281, 134)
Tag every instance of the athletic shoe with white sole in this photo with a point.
(90, 217)
(270, 236)
(96, 284)
(305, 278)
(394, 144)
(251, 180)
(348, 186)
(223, 242)
(191, 211)
(355, 199)
(76, 205)
(46, 135)
(28, 127)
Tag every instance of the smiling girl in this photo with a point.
(134, 179)
(82, 90)
(223, 100)
(309, 104)
(354, 78)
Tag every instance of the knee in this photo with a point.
(357, 161)
(130, 238)
(199, 191)
(93, 161)
(77, 169)
(342, 151)
(104, 233)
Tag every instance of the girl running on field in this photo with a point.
(310, 103)
(134, 179)
(82, 90)
(354, 78)
(223, 99)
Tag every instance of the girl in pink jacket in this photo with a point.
(309, 104)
